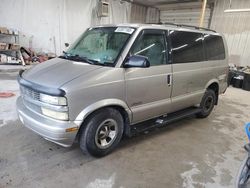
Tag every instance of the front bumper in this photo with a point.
(52, 130)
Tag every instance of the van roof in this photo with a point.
(164, 26)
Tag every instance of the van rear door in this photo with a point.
(187, 58)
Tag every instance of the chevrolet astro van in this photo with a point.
(117, 80)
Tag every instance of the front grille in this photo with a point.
(30, 93)
(32, 107)
(30, 96)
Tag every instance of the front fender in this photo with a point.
(100, 104)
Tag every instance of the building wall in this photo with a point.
(235, 27)
(143, 14)
(138, 14)
(184, 13)
(45, 25)
(153, 15)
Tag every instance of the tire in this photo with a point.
(207, 104)
(102, 132)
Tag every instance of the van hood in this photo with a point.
(56, 72)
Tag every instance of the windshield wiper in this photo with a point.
(76, 57)
(87, 60)
(65, 55)
(95, 62)
(80, 58)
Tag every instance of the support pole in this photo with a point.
(204, 4)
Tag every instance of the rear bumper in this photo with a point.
(52, 130)
(223, 87)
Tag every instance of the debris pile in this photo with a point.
(11, 52)
(239, 77)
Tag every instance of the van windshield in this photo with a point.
(100, 45)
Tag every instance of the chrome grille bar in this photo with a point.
(27, 92)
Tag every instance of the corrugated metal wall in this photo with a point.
(143, 14)
(153, 15)
(236, 28)
(138, 14)
(184, 13)
(185, 16)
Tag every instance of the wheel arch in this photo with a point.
(117, 104)
(214, 85)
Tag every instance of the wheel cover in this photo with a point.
(106, 133)
(208, 104)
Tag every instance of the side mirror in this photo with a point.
(66, 45)
(137, 61)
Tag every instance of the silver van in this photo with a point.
(118, 80)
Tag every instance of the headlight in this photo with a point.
(55, 114)
(53, 99)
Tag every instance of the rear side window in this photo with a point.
(186, 46)
(214, 46)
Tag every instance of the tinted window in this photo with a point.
(186, 46)
(152, 45)
(214, 47)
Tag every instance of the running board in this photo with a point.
(163, 120)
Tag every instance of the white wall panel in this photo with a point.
(189, 16)
(46, 25)
(138, 14)
(143, 14)
(180, 6)
(236, 28)
(119, 12)
(49, 24)
(153, 15)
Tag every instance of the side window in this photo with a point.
(152, 45)
(186, 46)
(214, 46)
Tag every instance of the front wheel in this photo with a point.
(102, 132)
(207, 103)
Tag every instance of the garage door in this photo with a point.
(184, 14)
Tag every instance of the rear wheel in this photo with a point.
(207, 103)
(102, 132)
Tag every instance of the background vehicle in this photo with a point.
(119, 79)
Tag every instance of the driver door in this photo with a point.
(148, 90)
